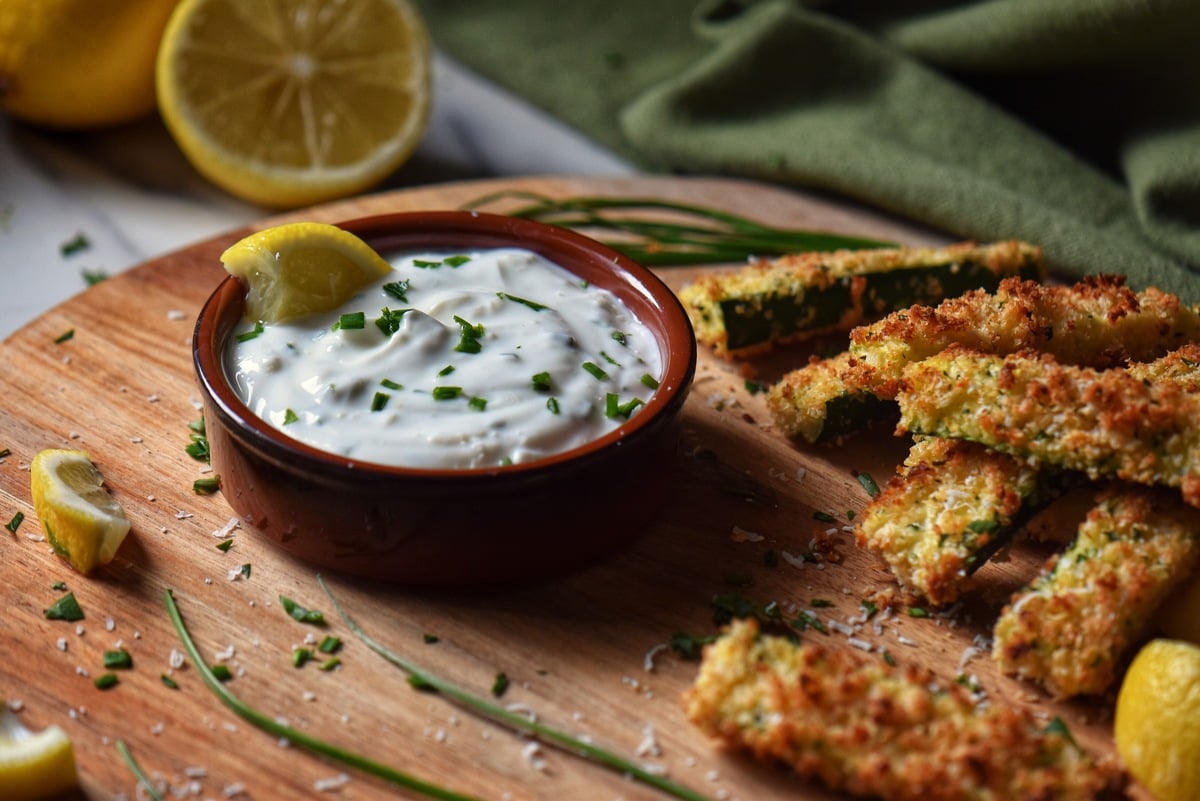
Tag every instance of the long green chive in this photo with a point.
(15, 523)
(533, 304)
(119, 659)
(65, 608)
(513, 721)
(64, 336)
(541, 382)
(301, 614)
(351, 321)
(596, 370)
(295, 736)
(649, 381)
(246, 336)
(446, 393)
(137, 772)
(206, 486)
(380, 401)
(693, 235)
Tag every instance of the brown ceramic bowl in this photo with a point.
(442, 527)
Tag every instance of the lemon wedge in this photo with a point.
(34, 765)
(295, 102)
(1155, 725)
(301, 268)
(82, 521)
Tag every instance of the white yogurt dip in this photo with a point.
(455, 360)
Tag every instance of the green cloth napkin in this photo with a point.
(1073, 124)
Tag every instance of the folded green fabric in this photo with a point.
(1072, 124)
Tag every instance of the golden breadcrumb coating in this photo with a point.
(859, 725)
(1069, 629)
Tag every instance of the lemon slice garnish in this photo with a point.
(301, 268)
(83, 522)
(295, 102)
(34, 765)
(1155, 725)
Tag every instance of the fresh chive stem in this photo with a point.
(708, 235)
(295, 736)
(138, 773)
(511, 720)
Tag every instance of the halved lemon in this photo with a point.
(291, 102)
(83, 522)
(34, 765)
(301, 268)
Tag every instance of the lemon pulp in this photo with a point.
(1158, 707)
(291, 102)
(82, 521)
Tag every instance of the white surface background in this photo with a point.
(131, 194)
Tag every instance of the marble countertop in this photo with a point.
(130, 195)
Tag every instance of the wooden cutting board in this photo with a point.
(575, 649)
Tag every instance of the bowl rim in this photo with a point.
(393, 232)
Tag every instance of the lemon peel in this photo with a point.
(297, 269)
(1155, 724)
(298, 102)
(83, 522)
(34, 765)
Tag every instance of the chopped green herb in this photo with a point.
(447, 393)
(198, 448)
(206, 486)
(289, 417)
(610, 359)
(689, 646)
(65, 608)
(868, 483)
(244, 570)
(457, 261)
(221, 672)
(469, 341)
(93, 277)
(61, 586)
(298, 612)
(477, 403)
(649, 381)
(225, 545)
(500, 685)
(5, 453)
(430, 639)
(533, 304)
(870, 608)
(447, 370)
(72, 246)
(246, 336)
(330, 663)
(169, 682)
(916, 611)
(552, 405)
(398, 290)
(821, 603)
(426, 264)
(805, 620)
(198, 425)
(390, 384)
(106, 681)
(119, 659)
(541, 381)
(15, 522)
(753, 387)
(329, 644)
(300, 656)
(613, 408)
(849, 514)
(380, 401)
(620, 337)
(351, 321)
(389, 321)
(824, 517)
(1059, 726)
(63, 337)
(887, 657)
(596, 371)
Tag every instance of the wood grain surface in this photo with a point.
(574, 649)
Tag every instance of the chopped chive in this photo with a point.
(398, 290)
(430, 639)
(329, 644)
(225, 545)
(61, 586)
(870, 608)
(63, 337)
(820, 603)
(446, 393)
(533, 304)
(612, 408)
(300, 656)
(447, 370)
(500, 685)
(610, 359)
(221, 672)
(206, 486)
(93, 277)
(596, 371)
(457, 261)
(824, 517)
(868, 483)
(805, 620)
(330, 663)
(887, 657)
(78, 244)
(649, 381)
(5, 453)
(1059, 726)
(169, 682)
(301, 614)
(246, 336)
(106, 681)
(119, 659)
(389, 320)
(198, 448)
(351, 321)
(753, 387)
(380, 401)
(426, 264)
(620, 337)
(290, 416)
(477, 403)
(15, 522)
(611, 403)
(552, 404)
(65, 608)
(541, 381)
(469, 341)
(916, 611)
(390, 384)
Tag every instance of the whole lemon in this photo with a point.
(79, 63)
(1156, 728)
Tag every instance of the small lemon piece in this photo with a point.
(83, 522)
(301, 268)
(291, 102)
(1179, 616)
(79, 63)
(1158, 707)
(34, 765)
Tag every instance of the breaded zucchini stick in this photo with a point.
(862, 726)
(1071, 626)
(1098, 322)
(802, 295)
(1106, 423)
(947, 510)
